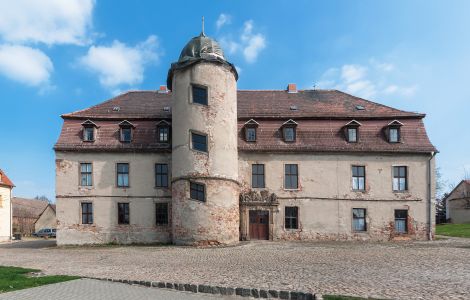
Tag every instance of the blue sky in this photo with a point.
(60, 56)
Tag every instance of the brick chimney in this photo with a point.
(163, 90)
(292, 88)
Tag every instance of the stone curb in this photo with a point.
(220, 290)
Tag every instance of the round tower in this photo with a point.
(205, 188)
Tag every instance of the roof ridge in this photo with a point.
(99, 104)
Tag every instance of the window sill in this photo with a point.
(291, 190)
(88, 141)
(162, 187)
(291, 229)
(401, 192)
(198, 201)
(200, 151)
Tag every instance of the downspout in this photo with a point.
(430, 216)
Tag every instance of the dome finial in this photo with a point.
(202, 32)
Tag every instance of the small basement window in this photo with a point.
(199, 94)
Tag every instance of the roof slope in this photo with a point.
(251, 104)
(28, 208)
(4, 180)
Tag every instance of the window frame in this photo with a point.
(263, 174)
(121, 134)
(128, 174)
(398, 129)
(406, 177)
(294, 132)
(166, 219)
(285, 177)
(199, 86)
(254, 128)
(348, 136)
(119, 220)
(353, 176)
(87, 214)
(162, 174)
(204, 192)
(359, 218)
(290, 225)
(93, 130)
(80, 173)
(192, 132)
(168, 134)
(405, 219)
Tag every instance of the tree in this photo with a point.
(43, 198)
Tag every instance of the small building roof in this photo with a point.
(28, 208)
(5, 181)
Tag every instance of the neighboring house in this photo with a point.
(458, 203)
(206, 163)
(47, 219)
(6, 187)
(25, 214)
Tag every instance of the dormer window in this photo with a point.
(89, 129)
(352, 131)
(125, 131)
(163, 132)
(393, 131)
(199, 94)
(289, 131)
(250, 130)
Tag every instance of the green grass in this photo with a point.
(457, 230)
(339, 297)
(13, 278)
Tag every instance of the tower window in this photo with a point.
(199, 142)
(199, 94)
(197, 191)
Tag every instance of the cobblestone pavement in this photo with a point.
(405, 270)
(101, 290)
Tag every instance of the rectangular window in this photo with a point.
(291, 177)
(250, 134)
(257, 176)
(394, 135)
(400, 178)
(88, 134)
(123, 213)
(199, 142)
(289, 134)
(126, 134)
(86, 171)
(199, 95)
(401, 217)
(359, 219)
(123, 175)
(358, 178)
(161, 213)
(197, 191)
(87, 213)
(352, 134)
(163, 134)
(292, 217)
(161, 175)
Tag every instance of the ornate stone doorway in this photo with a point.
(258, 212)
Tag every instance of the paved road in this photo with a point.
(102, 290)
(30, 244)
(405, 270)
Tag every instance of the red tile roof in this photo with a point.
(320, 115)
(5, 181)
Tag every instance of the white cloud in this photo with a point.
(224, 19)
(120, 64)
(351, 73)
(249, 44)
(45, 21)
(371, 80)
(26, 65)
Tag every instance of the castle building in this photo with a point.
(204, 163)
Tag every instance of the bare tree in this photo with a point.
(43, 198)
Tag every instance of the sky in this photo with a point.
(59, 56)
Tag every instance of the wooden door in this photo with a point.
(259, 225)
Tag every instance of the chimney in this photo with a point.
(163, 90)
(292, 88)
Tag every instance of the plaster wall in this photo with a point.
(46, 220)
(458, 204)
(5, 215)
